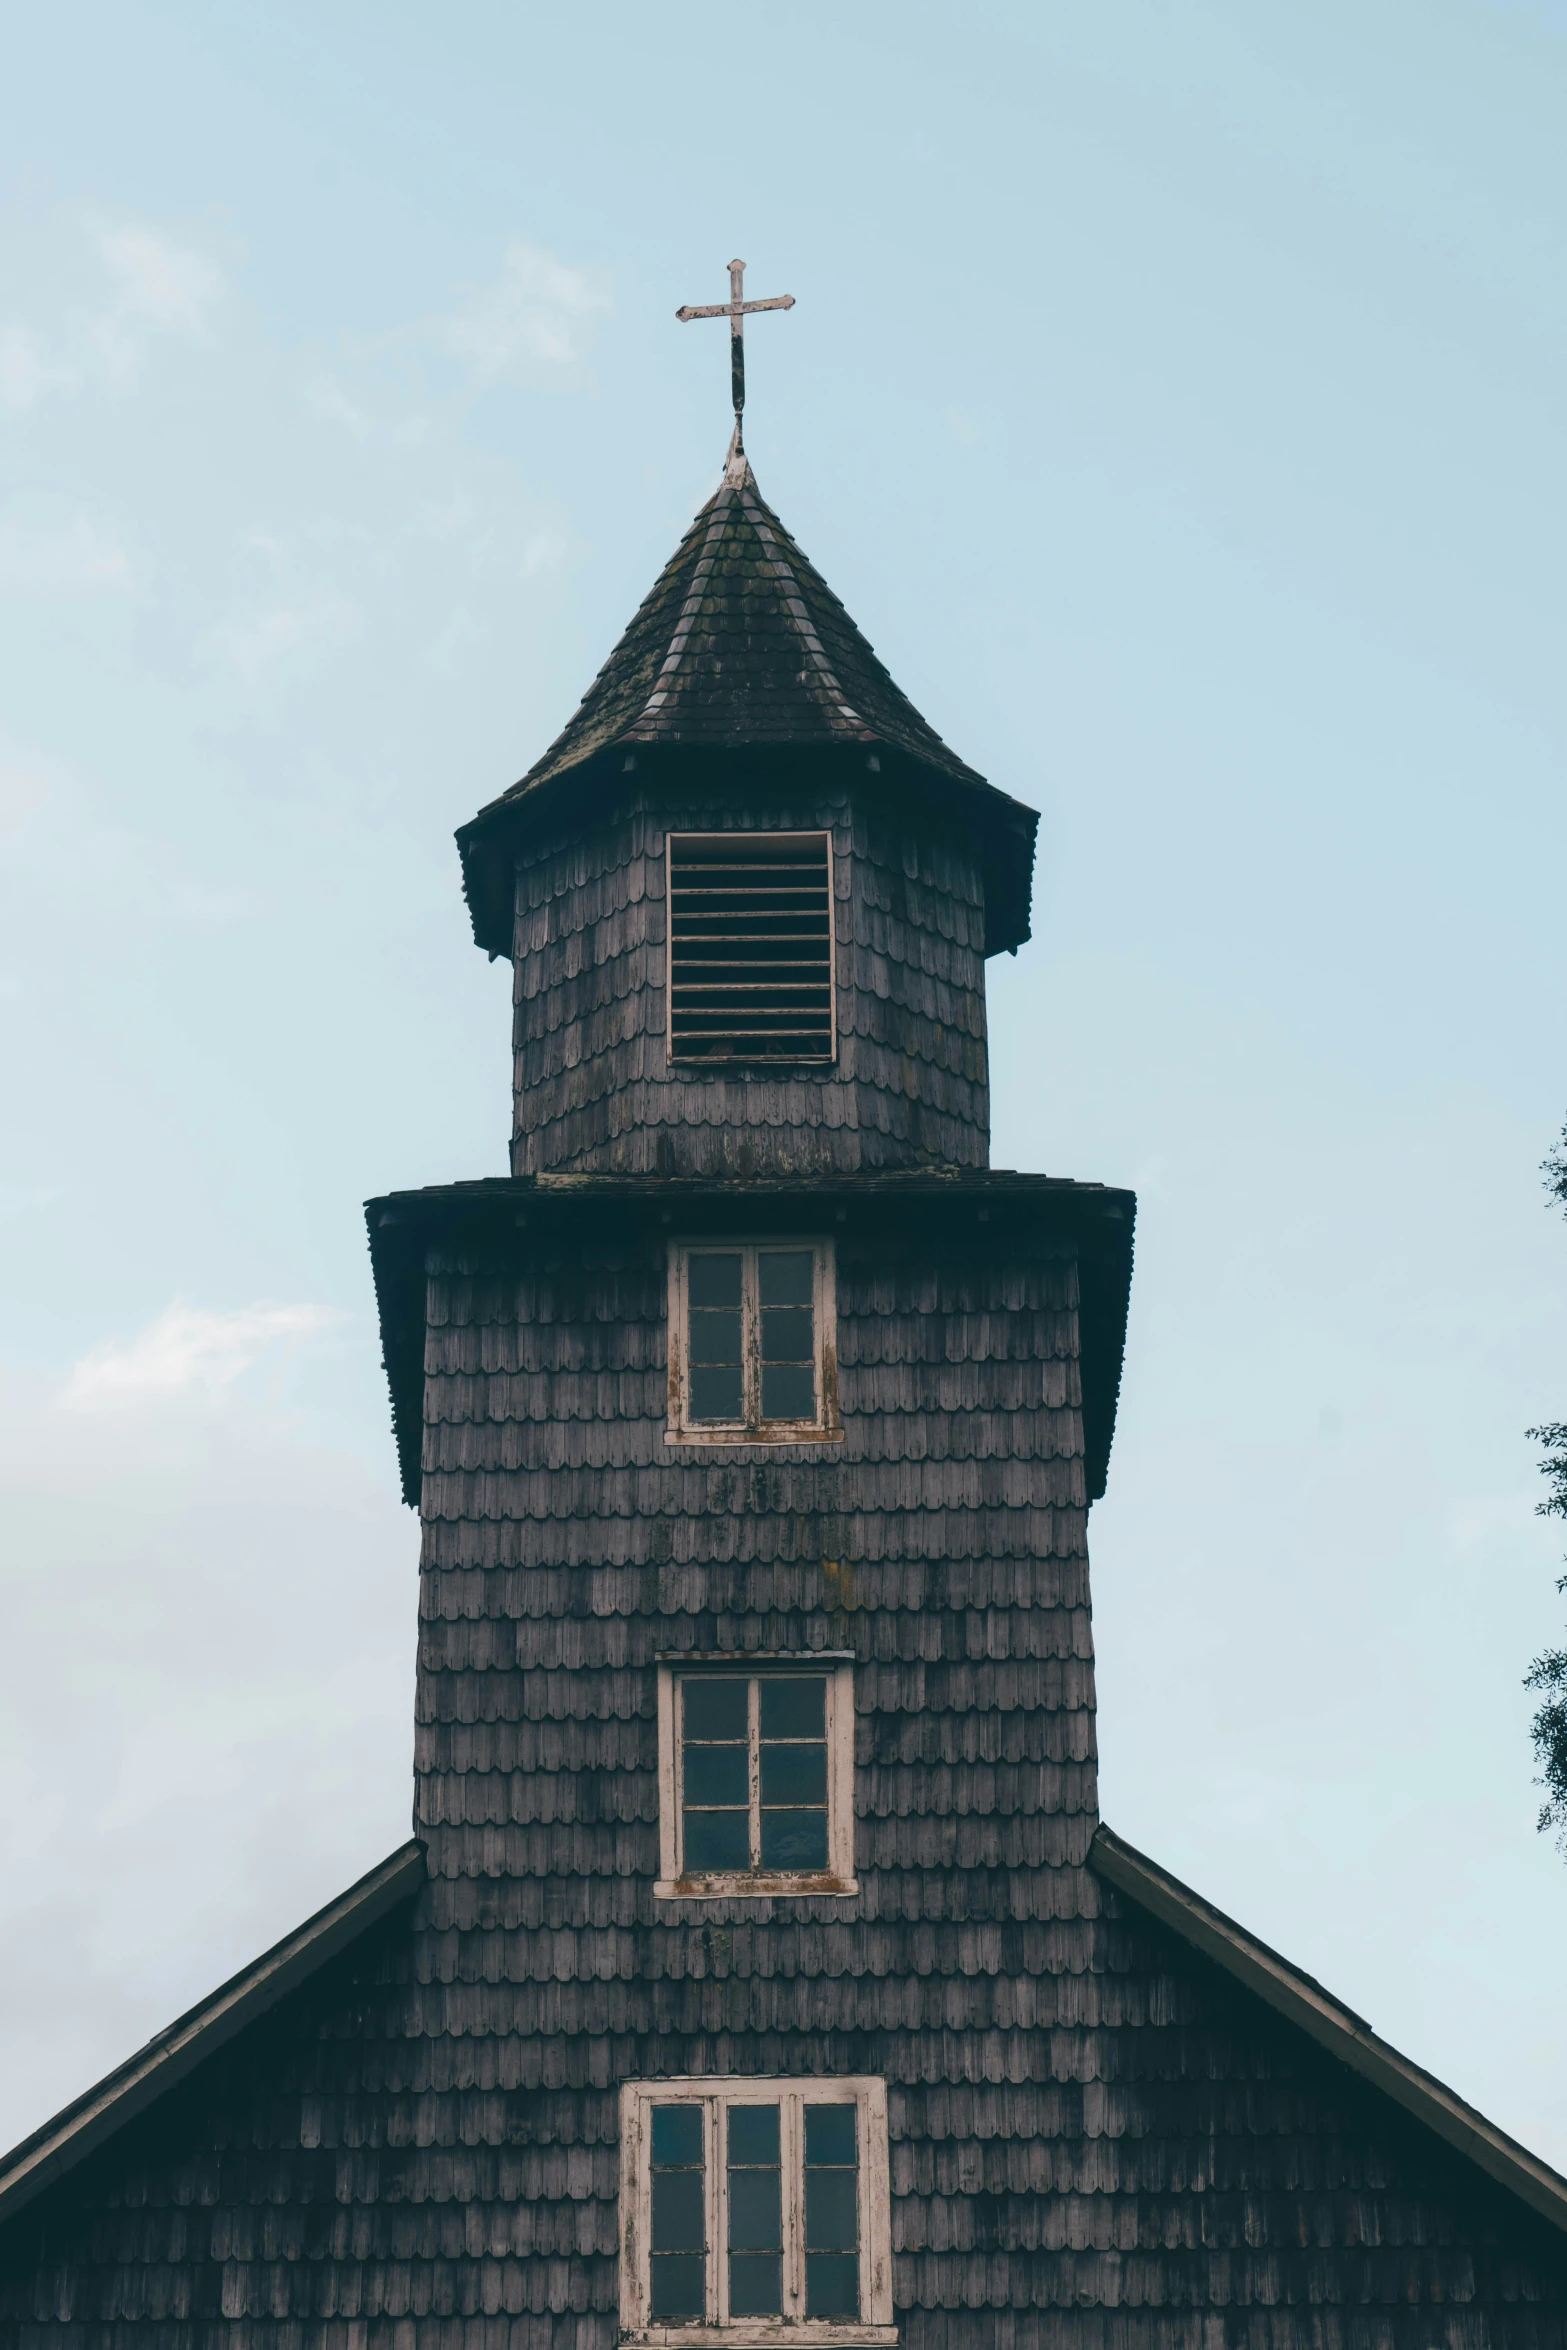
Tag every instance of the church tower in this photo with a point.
(753, 1422)
(759, 1975)
(748, 892)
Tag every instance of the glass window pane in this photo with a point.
(784, 1276)
(717, 1388)
(790, 1774)
(677, 2262)
(753, 2134)
(755, 2211)
(713, 1279)
(755, 2284)
(717, 1394)
(790, 1839)
(794, 1707)
(829, 2134)
(788, 1391)
(832, 2269)
(714, 1708)
(677, 2134)
(832, 2284)
(677, 2211)
(788, 1335)
(830, 2210)
(715, 1337)
(722, 1774)
(717, 1840)
(679, 2285)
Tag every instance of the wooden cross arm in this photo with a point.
(734, 309)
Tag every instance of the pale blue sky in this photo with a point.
(1175, 396)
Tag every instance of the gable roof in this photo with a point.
(94, 2116)
(1335, 2027)
(742, 646)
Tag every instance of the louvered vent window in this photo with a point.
(750, 946)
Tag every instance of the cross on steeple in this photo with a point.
(736, 310)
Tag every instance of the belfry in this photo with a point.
(759, 1973)
(748, 892)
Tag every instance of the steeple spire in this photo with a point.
(737, 309)
(741, 654)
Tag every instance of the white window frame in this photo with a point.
(688, 1063)
(874, 2326)
(825, 1426)
(674, 1883)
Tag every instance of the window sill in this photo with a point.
(760, 2333)
(750, 1885)
(740, 1064)
(772, 1432)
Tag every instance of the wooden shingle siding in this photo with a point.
(1097, 2141)
(595, 1088)
(1101, 2137)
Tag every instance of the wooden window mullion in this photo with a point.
(791, 2154)
(717, 2279)
(751, 1336)
(754, 1766)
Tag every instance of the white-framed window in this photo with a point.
(756, 1776)
(750, 929)
(754, 2212)
(752, 1342)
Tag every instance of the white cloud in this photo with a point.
(155, 287)
(187, 1350)
(25, 779)
(158, 288)
(157, 1565)
(60, 558)
(21, 1199)
(157, 282)
(59, 836)
(541, 550)
(377, 425)
(25, 373)
(536, 319)
(267, 641)
(1483, 1520)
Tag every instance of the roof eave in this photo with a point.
(1334, 2027)
(121, 2095)
(1098, 1220)
(487, 844)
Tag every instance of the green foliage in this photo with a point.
(1554, 1168)
(1548, 1673)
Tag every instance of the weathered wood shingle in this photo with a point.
(1098, 2141)
(594, 1086)
(1101, 2138)
(741, 640)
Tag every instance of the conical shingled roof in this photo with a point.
(741, 643)
(743, 647)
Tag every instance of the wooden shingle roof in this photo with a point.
(741, 646)
(741, 642)
(1304, 2003)
(103, 2110)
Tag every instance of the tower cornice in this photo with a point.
(501, 1219)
